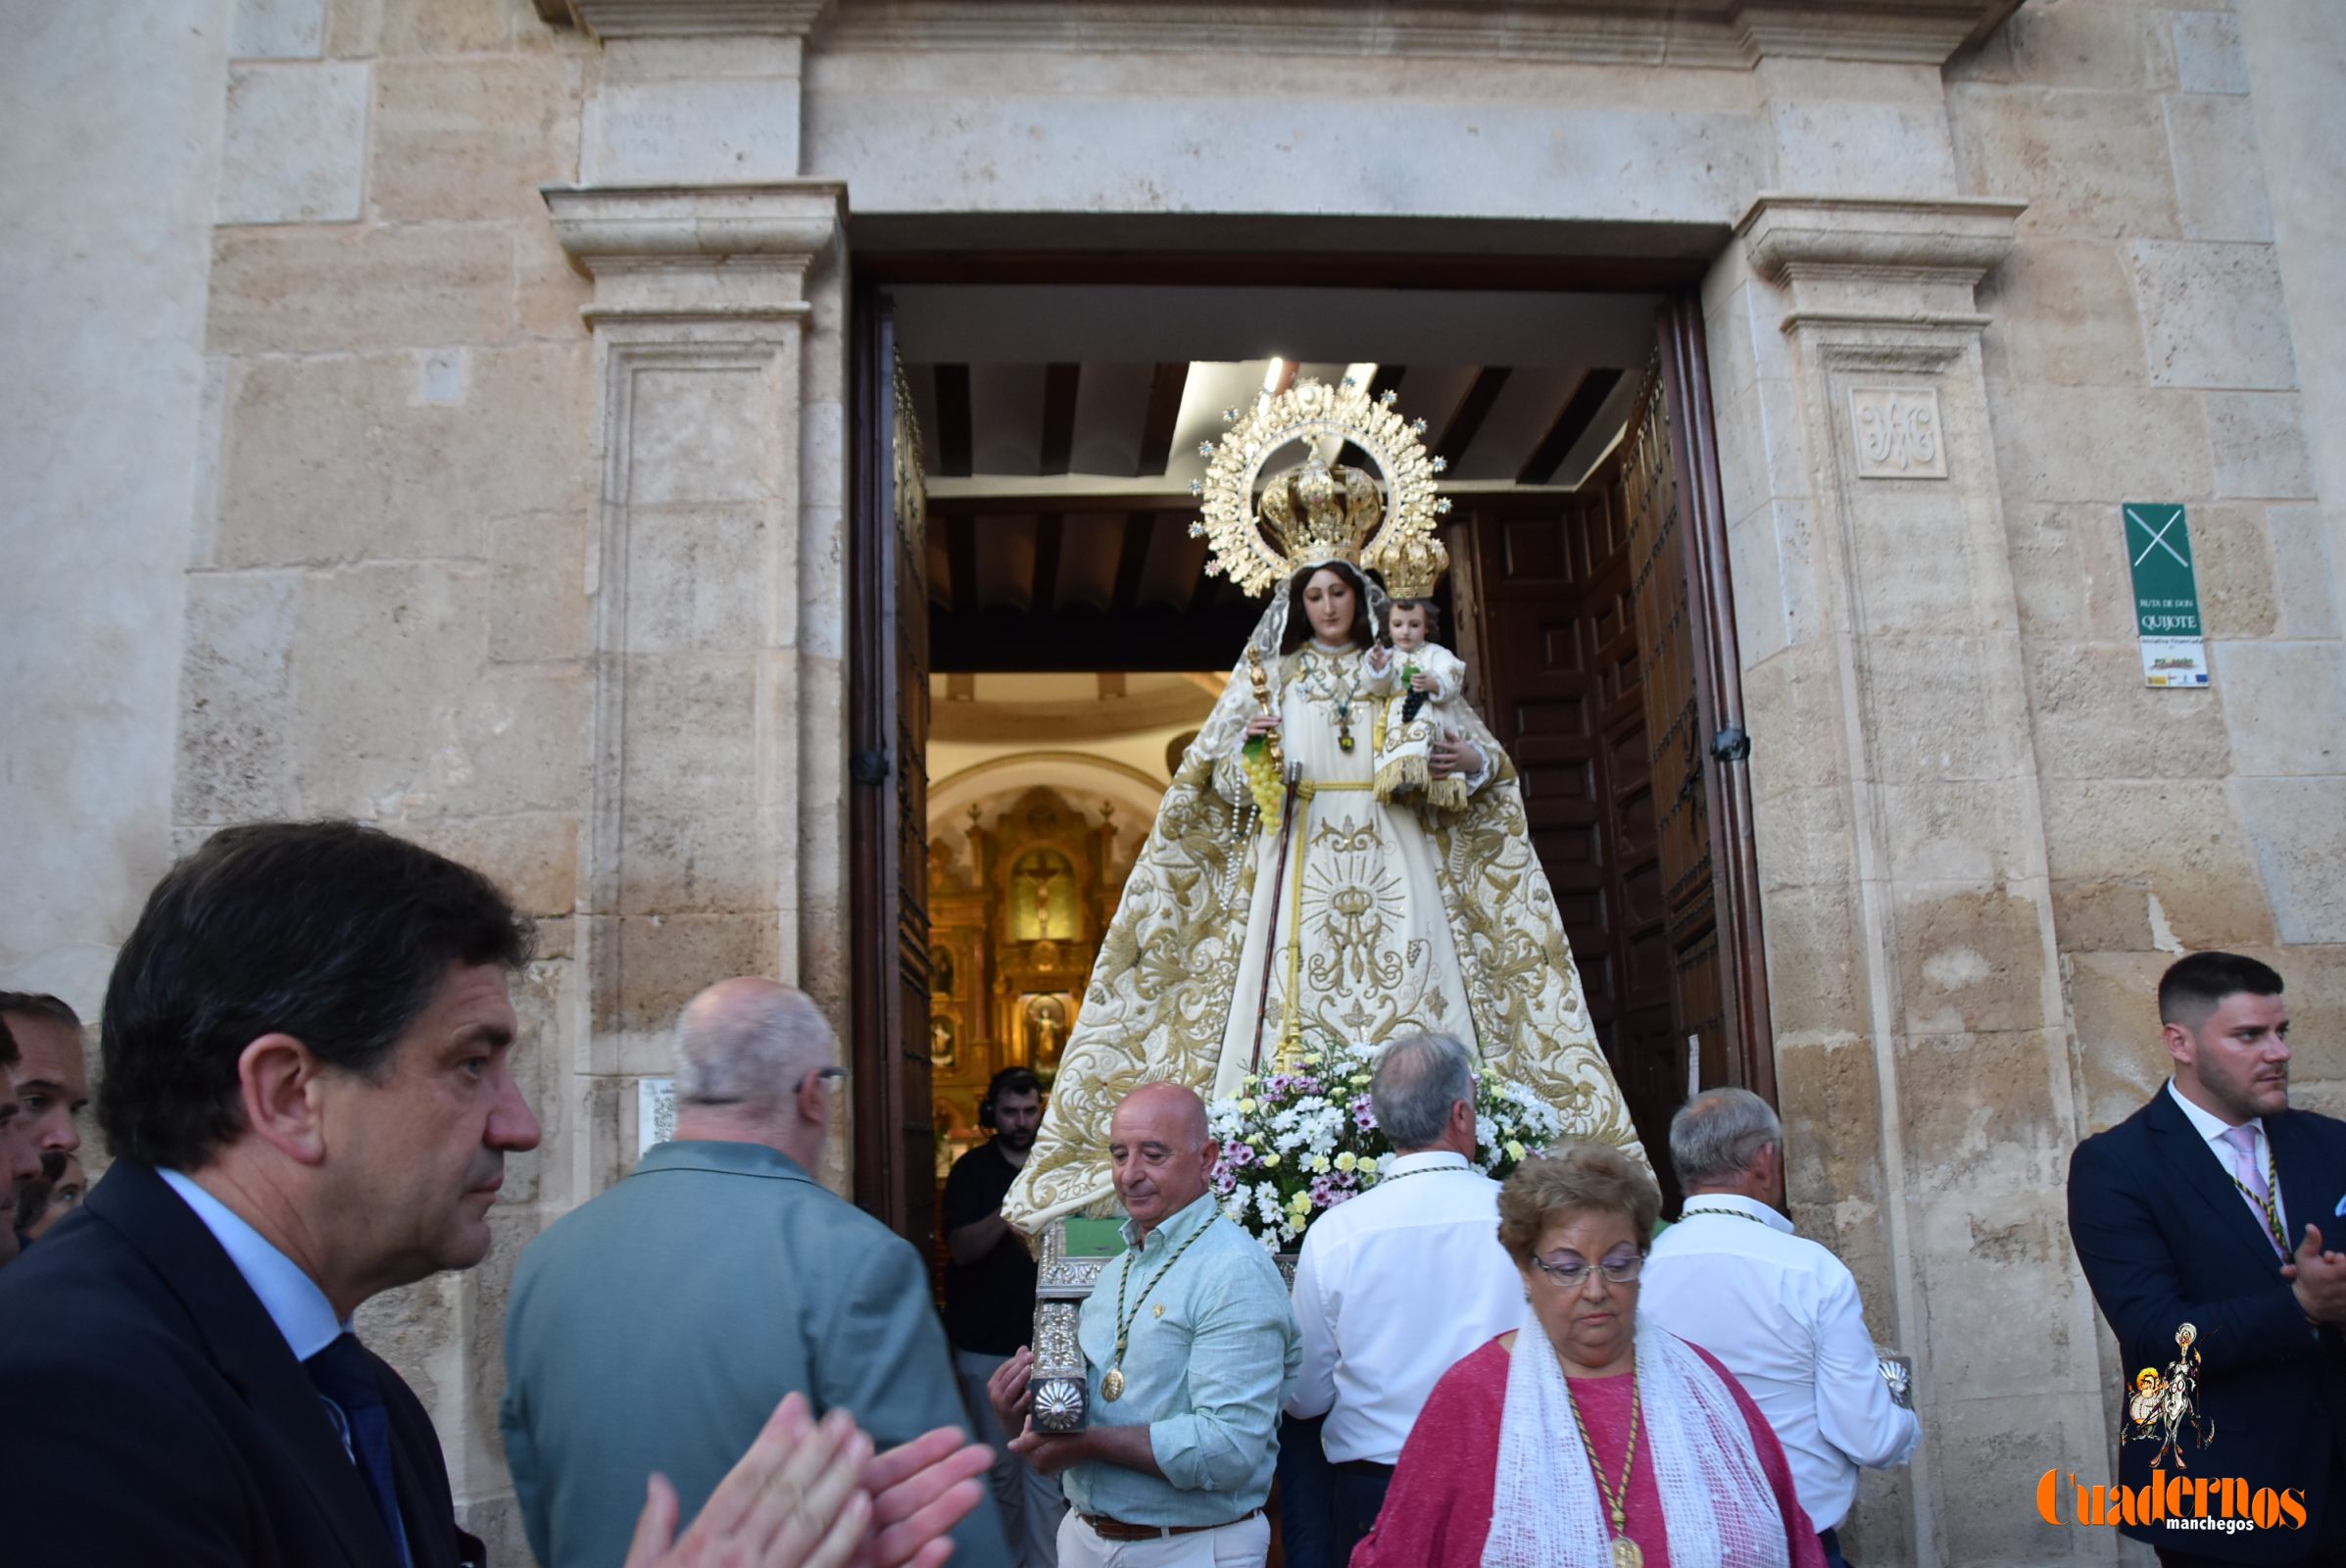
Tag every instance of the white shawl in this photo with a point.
(1716, 1501)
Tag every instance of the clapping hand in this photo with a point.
(2319, 1278)
(814, 1496)
(796, 1501)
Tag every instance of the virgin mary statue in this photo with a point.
(1297, 908)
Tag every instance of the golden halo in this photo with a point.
(1403, 537)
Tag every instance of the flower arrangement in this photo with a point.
(1298, 1142)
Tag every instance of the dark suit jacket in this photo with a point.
(2166, 1240)
(155, 1415)
(655, 1327)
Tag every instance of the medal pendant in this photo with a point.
(1344, 742)
(1111, 1389)
(1626, 1554)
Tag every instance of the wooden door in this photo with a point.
(888, 772)
(1564, 688)
(1604, 666)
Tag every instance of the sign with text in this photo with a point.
(2175, 649)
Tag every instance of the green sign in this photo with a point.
(2175, 650)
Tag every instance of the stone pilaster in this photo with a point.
(718, 602)
(1922, 1028)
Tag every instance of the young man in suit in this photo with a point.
(2216, 1205)
(308, 1098)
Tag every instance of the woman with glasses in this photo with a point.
(1583, 1438)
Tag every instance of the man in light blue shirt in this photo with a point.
(1190, 1349)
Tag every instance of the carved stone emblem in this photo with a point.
(1897, 430)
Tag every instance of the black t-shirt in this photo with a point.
(989, 1304)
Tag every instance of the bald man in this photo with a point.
(654, 1327)
(1190, 1347)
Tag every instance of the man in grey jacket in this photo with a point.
(654, 1328)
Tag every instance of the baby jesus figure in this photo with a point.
(1420, 680)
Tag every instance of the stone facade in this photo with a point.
(381, 483)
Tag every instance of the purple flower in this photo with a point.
(1364, 1117)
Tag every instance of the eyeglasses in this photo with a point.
(831, 1074)
(1572, 1276)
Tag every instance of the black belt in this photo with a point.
(1108, 1528)
(1363, 1467)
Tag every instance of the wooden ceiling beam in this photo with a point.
(1061, 385)
(1572, 421)
(1132, 562)
(952, 421)
(1165, 388)
(961, 552)
(1459, 431)
(1049, 534)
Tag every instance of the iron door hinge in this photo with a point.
(1731, 745)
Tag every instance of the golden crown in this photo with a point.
(1320, 511)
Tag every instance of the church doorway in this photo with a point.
(1036, 637)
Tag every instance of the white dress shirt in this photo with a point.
(1391, 1290)
(2213, 1127)
(1782, 1314)
(292, 1300)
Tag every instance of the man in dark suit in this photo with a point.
(307, 1095)
(2209, 1208)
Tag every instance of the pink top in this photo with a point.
(1438, 1511)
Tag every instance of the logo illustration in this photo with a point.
(2161, 1406)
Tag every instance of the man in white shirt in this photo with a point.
(1778, 1310)
(1376, 1338)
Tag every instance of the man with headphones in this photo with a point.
(990, 1301)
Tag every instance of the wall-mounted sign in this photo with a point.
(655, 1112)
(2175, 649)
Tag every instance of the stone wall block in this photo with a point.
(2259, 445)
(1930, 710)
(1803, 839)
(2085, 163)
(699, 434)
(235, 700)
(696, 579)
(1863, 149)
(2095, 719)
(714, 860)
(810, 622)
(2109, 915)
(298, 291)
(1791, 706)
(2117, 48)
(2233, 551)
(685, 720)
(2056, 443)
(2297, 827)
(354, 29)
(278, 29)
(391, 457)
(1980, 1451)
(2214, 316)
(2181, 838)
(294, 146)
(548, 291)
(1757, 573)
(1814, 986)
(533, 857)
(707, 132)
(2207, 55)
(2283, 703)
(394, 717)
(2065, 315)
(538, 574)
(1918, 570)
(453, 27)
(1971, 961)
(2070, 573)
(2218, 169)
(1963, 832)
(471, 139)
(2306, 601)
(664, 960)
(2114, 1007)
